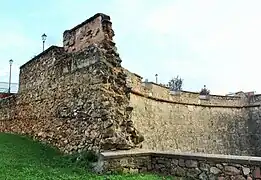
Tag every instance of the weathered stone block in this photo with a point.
(231, 170)
(182, 163)
(178, 171)
(215, 170)
(191, 163)
(204, 167)
(174, 162)
(219, 166)
(238, 177)
(193, 172)
(203, 176)
(246, 171)
(257, 173)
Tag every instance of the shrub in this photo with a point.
(204, 91)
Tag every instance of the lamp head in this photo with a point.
(44, 36)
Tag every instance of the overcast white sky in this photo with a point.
(212, 42)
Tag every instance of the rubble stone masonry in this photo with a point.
(79, 97)
(185, 123)
(189, 166)
(75, 97)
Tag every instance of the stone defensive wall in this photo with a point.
(78, 97)
(161, 93)
(185, 123)
(75, 97)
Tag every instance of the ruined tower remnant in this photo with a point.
(76, 96)
(96, 30)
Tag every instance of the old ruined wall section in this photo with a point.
(103, 103)
(34, 112)
(7, 108)
(76, 97)
(254, 124)
(89, 32)
(36, 85)
(184, 123)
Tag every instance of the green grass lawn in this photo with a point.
(22, 158)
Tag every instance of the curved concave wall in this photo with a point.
(184, 122)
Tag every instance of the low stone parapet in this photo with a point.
(195, 166)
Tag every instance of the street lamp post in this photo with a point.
(44, 36)
(156, 75)
(10, 75)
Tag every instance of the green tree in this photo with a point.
(175, 84)
(204, 91)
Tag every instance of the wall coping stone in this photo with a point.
(104, 17)
(193, 104)
(184, 155)
(51, 48)
(192, 92)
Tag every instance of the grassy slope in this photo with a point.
(25, 159)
